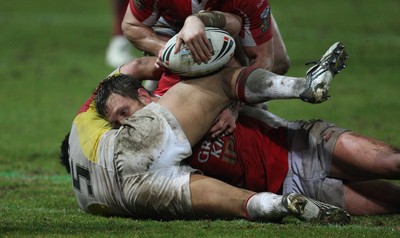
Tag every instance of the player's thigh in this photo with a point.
(214, 198)
(196, 103)
(160, 194)
(358, 157)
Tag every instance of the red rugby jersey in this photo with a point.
(254, 156)
(255, 14)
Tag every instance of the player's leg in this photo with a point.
(281, 58)
(371, 197)
(215, 199)
(196, 103)
(357, 157)
(255, 85)
(325, 163)
(360, 161)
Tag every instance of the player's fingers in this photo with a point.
(203, 47)
(178, 45)
(208, 47)
(217, 133)
(219, 128)
(202, 51)
(196, 51)
(158, 64)
(230, 129)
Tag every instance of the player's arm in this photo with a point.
(225, 123)
(142, 36)
(142, 69)
(272, 54)
(257, 42)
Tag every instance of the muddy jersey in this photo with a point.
(91, 156)
(255, 15)
(94, 178)
(110, 179)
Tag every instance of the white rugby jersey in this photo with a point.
(93, 173)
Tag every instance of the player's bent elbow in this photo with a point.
(126, 30)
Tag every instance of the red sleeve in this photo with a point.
(260, 24)
(145, 11)
(85, 106)
(166, 81)
(256, 18)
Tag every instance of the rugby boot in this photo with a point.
(321, 74)
(307, 209)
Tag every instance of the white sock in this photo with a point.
(268, 86)
(265, 206)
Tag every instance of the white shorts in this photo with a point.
(149, 149)
(311, 145)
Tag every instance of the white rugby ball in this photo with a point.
(183, 62)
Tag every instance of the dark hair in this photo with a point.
(122, 84)
(64, 153)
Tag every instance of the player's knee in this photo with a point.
(281, 66)
(387, 162)
(396, 166)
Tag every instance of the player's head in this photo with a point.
(119, 96)
(64, 153)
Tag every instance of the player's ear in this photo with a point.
(144, 96)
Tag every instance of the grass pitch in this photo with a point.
(52, 56)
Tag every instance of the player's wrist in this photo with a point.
(212, 18)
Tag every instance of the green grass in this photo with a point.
(52, 56)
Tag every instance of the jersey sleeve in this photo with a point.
(259, 25)
(166, 81)
(256, 20)
(146, 12)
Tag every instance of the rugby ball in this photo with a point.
(183, 64)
